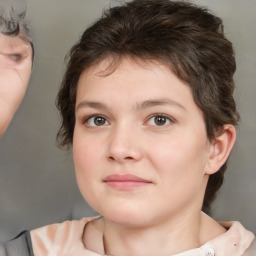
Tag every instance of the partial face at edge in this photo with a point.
(140, 144)
(15, 69)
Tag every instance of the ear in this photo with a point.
(220, 149)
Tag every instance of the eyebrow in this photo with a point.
(139, 106)
(157, 102)
(91, 104)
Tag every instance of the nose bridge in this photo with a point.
(123, 143)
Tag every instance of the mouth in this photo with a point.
(125, 181)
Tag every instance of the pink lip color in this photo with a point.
(125, 181)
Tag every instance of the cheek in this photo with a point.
(181, 174)
(88, 154)
(84, 162)
(181, 158)
(85, 155)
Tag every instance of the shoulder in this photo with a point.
(57, 229)
(59, 237)
(235, 241)
(227, 238)
(251, 250)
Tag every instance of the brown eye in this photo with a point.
(96, 121)
(160, 120)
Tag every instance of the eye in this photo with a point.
(15, 57)
(96, 121)
(159, 120)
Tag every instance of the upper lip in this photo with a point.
(124, 177)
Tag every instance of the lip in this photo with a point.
(125, 181)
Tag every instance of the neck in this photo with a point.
(170, 237)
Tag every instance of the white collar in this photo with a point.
(65, 239)
(234, 242)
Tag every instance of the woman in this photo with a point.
(147, 105)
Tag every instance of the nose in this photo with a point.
(124, 145)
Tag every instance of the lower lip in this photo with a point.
(127, 185)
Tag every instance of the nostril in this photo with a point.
(111, 158)
(128, 158)
(120, 158)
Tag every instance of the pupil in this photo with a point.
(160, 120)
(99, 121)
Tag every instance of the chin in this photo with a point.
(126, 217)
(128, 220)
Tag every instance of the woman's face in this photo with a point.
(140, 144)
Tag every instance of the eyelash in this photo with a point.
(154, 116)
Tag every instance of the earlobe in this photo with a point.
(220, 149)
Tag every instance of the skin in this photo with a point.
(174, 158)
(15, 70)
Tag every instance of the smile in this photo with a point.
(125, 181)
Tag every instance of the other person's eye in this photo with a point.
(159, 120)
(96, 121)
(15, 57)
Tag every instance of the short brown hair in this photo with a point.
(187, 38)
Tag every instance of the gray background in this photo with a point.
(37, 182)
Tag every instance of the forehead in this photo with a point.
(113, 67)
(127, 71)
(132, 82)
